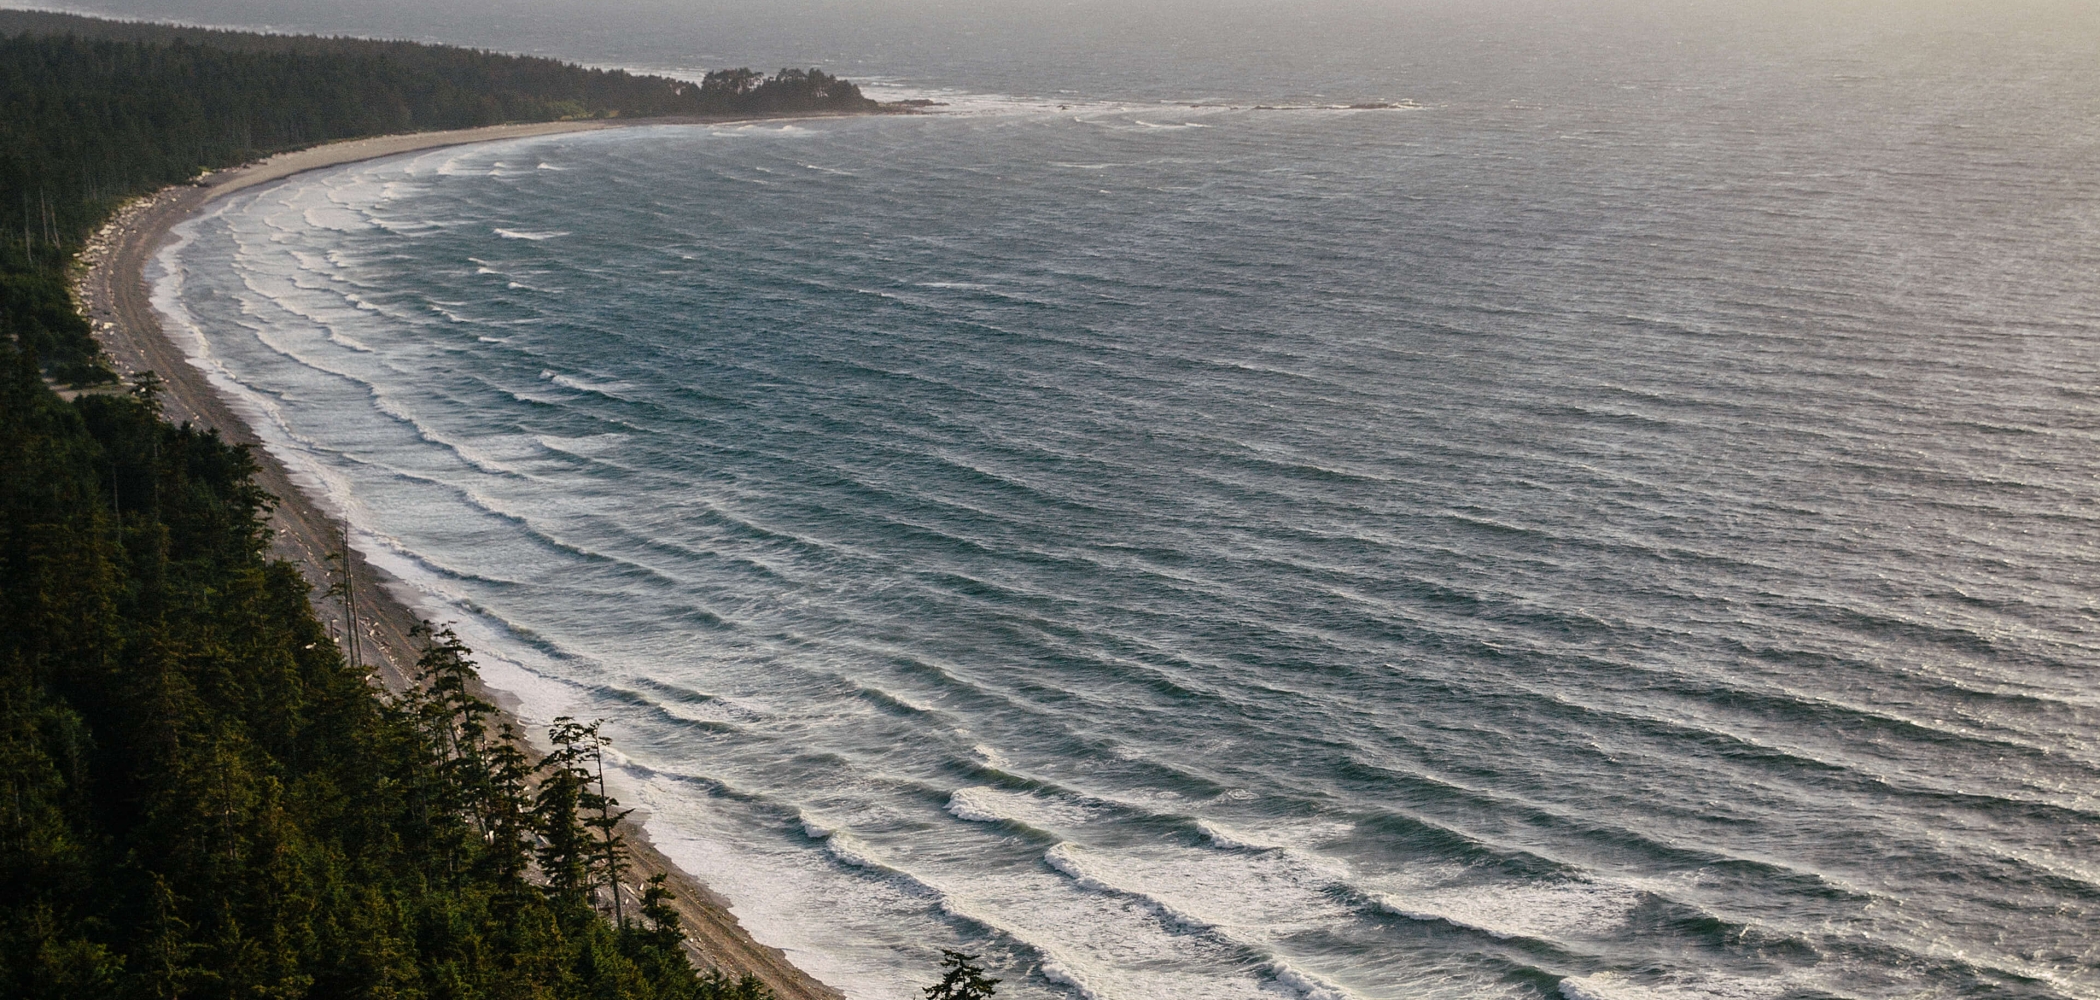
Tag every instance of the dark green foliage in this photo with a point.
(203, 800)
(580, 848)
(787, 90)
(961, 979)
(36, 312)
(93, 112)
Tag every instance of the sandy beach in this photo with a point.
(113, 294)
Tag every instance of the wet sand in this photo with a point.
(113, 294)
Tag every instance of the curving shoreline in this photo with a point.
(113, 294)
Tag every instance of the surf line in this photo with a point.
(113, 294)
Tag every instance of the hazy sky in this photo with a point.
(1433, 48)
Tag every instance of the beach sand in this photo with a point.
(113, 295)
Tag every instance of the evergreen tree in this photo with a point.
(961, 979)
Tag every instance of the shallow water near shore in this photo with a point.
(1599, 545)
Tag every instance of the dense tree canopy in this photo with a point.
(202, 799)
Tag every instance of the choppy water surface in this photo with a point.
(1640, 543)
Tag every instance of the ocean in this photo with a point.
(1617, 522)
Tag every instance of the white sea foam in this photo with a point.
(331, 216)
(851, 851)
(522, 234)
(1070, 860)
(1547, 911)
(612, 390)
(166, 291)
(1304, 983)
(1248, 906)
(773, 890)
(1231, 839)
(1056, 972)
(1615, 986)
(980, 804)
(1602, 986)
(963, 805)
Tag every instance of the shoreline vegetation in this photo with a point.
(206, 797)
(94, 113)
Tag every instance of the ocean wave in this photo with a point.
(1231, 840)
(1066, 858)
(589, 446)
(1617, 986)
(610, 390)
(1073, 862)
(1539, 911)
(982, 804)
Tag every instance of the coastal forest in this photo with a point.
(202, 798)
(95, 112)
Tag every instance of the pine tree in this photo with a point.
(567, 850)
(961, 979)
(660, 928)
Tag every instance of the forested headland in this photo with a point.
(94, 112)
(202, 798)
